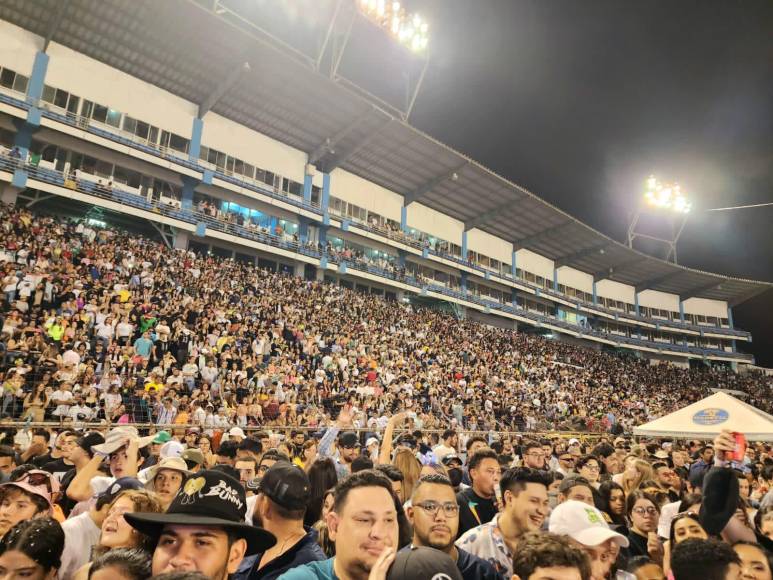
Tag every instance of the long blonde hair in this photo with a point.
(643, 473)
(410, 467)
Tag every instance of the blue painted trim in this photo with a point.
(19, 178)
(513, 266)
(206, 176)
(325, 201)
(464, 281)
(194, 149)
(323, 262)
(425, 253)
(342, 268)
(595, 295)
(730, 316)
(38, 76)
(303, 229)
(33, 117)
(322, 235)
(189, 184)
(464, 245)
(555, 279)
(636, 302)
(201, 229)
(404, 218)
(307, 182)
(345, 225)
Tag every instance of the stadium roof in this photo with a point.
(285, 97)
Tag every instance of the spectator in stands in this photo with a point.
(32, 549)
(575, 488)
(434, 515)
(705, 560)
(26, 497)
(540, 556)
(525, 507)
(477, 504)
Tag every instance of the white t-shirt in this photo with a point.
(80, 535)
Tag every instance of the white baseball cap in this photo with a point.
(573, 441)
(583, 523)
(236, 432)
(371, 441)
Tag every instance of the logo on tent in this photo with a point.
(711, 416)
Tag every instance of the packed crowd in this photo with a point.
(361, 461)
(114, 504)
(101, 324)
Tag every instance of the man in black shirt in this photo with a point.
(477, 504)
(434, 515)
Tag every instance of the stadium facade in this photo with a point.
(120, 111)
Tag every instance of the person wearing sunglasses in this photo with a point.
(27, 497)
(643, 514)
(566, 463)
(434, 515)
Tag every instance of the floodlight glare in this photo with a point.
(409, 29)
(666, 196)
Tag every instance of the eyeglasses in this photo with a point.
(566, 459)
(591, 467)
(537, 455)
(650, 511)
(432, 507)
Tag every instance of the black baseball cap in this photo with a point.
(423, 563)
(119, 485)
(286, 485)
(348, 439)
(452, 457)
(210, 498)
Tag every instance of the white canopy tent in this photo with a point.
(706, 418)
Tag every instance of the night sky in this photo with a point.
(579, 101)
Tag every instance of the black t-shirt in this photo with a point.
(474, 568)
(41, 460)
(474, 510)
(57, 467)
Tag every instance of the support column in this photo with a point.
(636, 303)
(189, 184)
(404, 219)
(595, 295)
(464, 282)
(513, 299)
(303, 229)
(513, 266)
(730, 317)
(401, 255)
(323, 237)
(38, 77)
(299, 269)
(325, 202)
(181, 239)
(681, 311)
(22, 140)
(555, 279)
(464, 245)
(307, 183)
(9, 193)
(194, 150)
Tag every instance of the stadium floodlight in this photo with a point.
(666, 196)
(410, 30)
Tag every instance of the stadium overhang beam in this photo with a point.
(610, 271)
(219, 92)
(328, 145)
(542, 234)
(569, 258)
(693, 292)
(749, 295)
(338, 159)
(54, 20)
(652, 282)
(487, 215)
(421, 191)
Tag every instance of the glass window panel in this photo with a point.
(7, 76)
(72, 104)
(153, 134)
(88, 106)
(113, 118)
(49, 94)
(143, 130)
(20, 83)
(99, 113)
(129, 124)
(60, 98)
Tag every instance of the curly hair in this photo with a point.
(538, 550)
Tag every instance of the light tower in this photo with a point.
(660, 216)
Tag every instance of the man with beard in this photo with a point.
(526, 505)
(434, 515)
(283, 494)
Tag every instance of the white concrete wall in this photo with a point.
(661, 300)
(615, 290)
(488, 245)
(435, 223)
(253, 147)
(706, 307)
(95, 81)
(534, 263)
(575, 279)
(18, 48)
(356, 190)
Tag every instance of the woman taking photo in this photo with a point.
(116, 533)
(32, 549)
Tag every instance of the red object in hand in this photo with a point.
(740, 447)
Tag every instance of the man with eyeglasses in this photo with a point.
(434, 515)
(533, 455)
(566, 463)
(477, 504)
